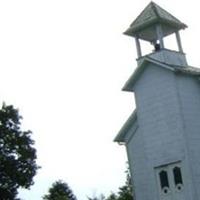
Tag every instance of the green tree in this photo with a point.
(112, 196)
(60, 191)
(100, 197)
(17, 155)
(125, 192)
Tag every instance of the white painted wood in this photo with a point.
(173, 192)
(178, 38)
(163, 137)
(160, 35)
(168, 56)
(138, 47)
(168, 123)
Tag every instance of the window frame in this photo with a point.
(172, 179)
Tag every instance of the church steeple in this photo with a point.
(162, 136)
(153, 24)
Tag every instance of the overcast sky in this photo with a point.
(63, 64)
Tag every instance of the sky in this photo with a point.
(63, 64)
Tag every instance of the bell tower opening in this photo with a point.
(153, 25)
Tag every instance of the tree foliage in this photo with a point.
(112, 196)
(100, 197)
(124, 193)
(17, 154)
(60, 191)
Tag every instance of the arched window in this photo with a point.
(164, 182)
(178, 177)
(170, 178)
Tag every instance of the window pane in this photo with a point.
(177, 176)
(163, 179)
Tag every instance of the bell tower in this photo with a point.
(153, 25)
(162, 135)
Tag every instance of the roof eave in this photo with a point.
(129, 85)
(133, 31)
(120, 138)
(175, 25)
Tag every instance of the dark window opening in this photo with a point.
(164, 179)
(177, 176)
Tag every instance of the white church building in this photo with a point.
(162, 135)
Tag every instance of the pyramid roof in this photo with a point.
(151, 15)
